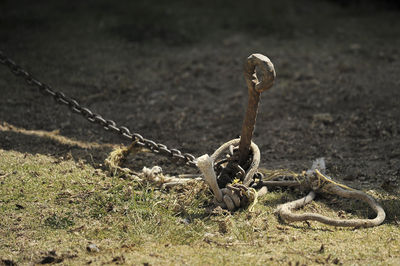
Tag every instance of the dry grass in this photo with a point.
(53, 209)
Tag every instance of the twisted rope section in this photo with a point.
(320, 183)
(152, 175)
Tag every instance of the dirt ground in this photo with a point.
(173, 72)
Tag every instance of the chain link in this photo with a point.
(108, 125)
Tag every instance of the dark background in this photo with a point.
(172, 71)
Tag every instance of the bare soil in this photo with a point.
(173, 73)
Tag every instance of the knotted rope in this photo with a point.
(241, 192)
(152, 175)
(236, 192)
(235, 187)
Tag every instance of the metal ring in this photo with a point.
(265, 76)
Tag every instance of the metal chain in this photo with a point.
(109, 125)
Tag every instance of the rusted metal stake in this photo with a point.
(259, 73)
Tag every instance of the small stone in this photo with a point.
(185, 221)
(323, 117)
(92, 248)
(282, 228)
(208, 237)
